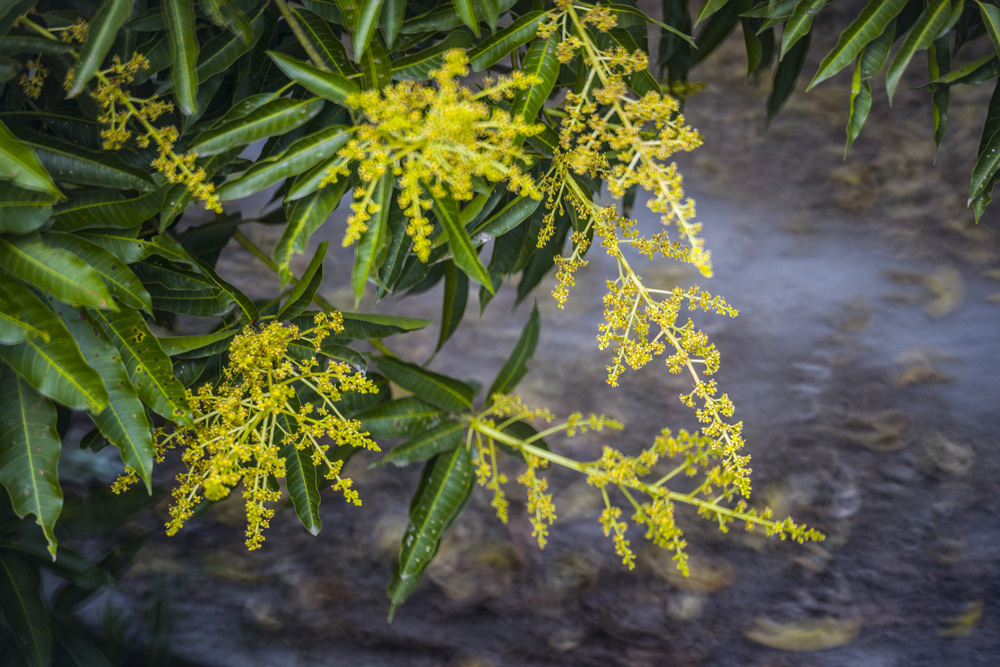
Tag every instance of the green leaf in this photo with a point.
(183, 53)
(242, 301)
(189, 346)
(773, 9)
(392, 19)
(71, 163)
(786, 76)
(445, 18)
(978, 71)
(375, 66)
(871, 23)
(990, 15)
(19, 164)
(124, 421)
(57, 271)
(501, 43)
(122, 244)
(29, 454)
(542, 62)
(106, 209)
(305, 216)
(641, 82)
(365, 326)
(12, 45)
(52, 362)
(301, 479)
(327, 85)
(869, 64)
(419, 65)
(988, 160)
(506, 219)
(442, 438)
(304, 154)
(444, 491)
(938, 64)
(369, 252)
(364, 27)
(456, 295)
(646, 18)
(719, 25)
(463, 252)
(399, 418)
(799, 24)
(517, 363)
(117, 276)
(24, 609)
(919, 38)
(305, 290)
(101, 34)
(219, 54)
(707, 9)
(323, 41)
(13, 329)
(148, 365)
(440, 390)
(276, 117)
(466, 12)
(24, 211)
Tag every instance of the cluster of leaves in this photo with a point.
(948, 35)
(450, 122)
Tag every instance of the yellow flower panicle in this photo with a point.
(435, 138)
(247, 424)
(639, 479)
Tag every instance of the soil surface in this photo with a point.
(863, 365)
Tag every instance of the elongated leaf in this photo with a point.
(506, 219)
(919, 38)
(323, 41)
(219, 54)
(870, 24)
(440, 390)
(517, 363)
(456, 295)
(983, 174)
(419, 65)
(501, 43)
(786, 76)
(300, 156)
(442, 438)
(327, 85)
(445, 18)
(29, 454)
(183, 53)
(57, 271)
(188, 347)
(466, 12)
(301, 479)
(120, 280)
(375, 66)
(939, 64)
(19, 164)
(101, 34)
(646, 19)
(719, 25)
(305, 216)
(540, 61)
(123, 244)
(399, 418)
(124, 421)
(305, 290)
(990, 15)
(24, 609)
(365, 26)
(242, 301)
(799, 24)
(11, 45)
(463, 252)
(370, 249)
(24, 211)
(444, 491)
(978, 71)
(392, 19)
(71, 163)
(869, 63)
(276, 117)
(106, 209)
(148, 365)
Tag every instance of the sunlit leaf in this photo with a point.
(183, 53)
(919, 38)
(54, 270)
(370, 249)
(501, 43)
(276, 117)
(871, 23)
(462, 249)
(19, 164)
(328, 85)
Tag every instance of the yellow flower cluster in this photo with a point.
(436, 139)
(118, 108)
(33, 78)
(246, 425)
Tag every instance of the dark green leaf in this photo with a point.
(29, 454)
(24, 211)
(419, 65)
(443, 493)
(18, 163)
(323, 41)
(506, 219)
(188, 347)
(456, 295)
(106, 209)
(719, 25)
(871, 23)
(370, 249)
(442, 438)
(990, 15)
(183, 53)
(392, 19)
(327, 85)
(399, 418)
(503, 42)
(300, 298)
(517, 363)
(939, 64)
(440, 390)
(786, 76)
(117, 276)
(148, 365)
(799, 24)
(57, 271)
(275, 117)
(365, 26)
(462, 249)
(305, 216)
(101, 34)
(988, 160)
(445, 18)
(24, 609)
(466, 12)
(919, 38)
(375, 66)
(102, 169)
